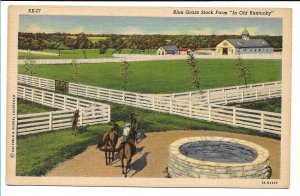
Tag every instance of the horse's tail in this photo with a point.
(103, 142)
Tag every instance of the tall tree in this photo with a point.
(194, 71)
(125, 72)
(244, 70)
(82, 41)
(75, 67)
(29, 65)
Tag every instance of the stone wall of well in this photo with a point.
(180, 165)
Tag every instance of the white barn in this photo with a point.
(245, 45)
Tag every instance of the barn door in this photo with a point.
(61, 86)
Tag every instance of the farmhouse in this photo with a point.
(168, 49)
(186, 51)
(245, 45)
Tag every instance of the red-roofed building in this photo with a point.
(186, 51)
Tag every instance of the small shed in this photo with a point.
(168, 50)
(186, 51)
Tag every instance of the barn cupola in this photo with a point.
(245, 34)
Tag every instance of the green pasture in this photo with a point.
(269, 105)
(40, 153)
(28, 107)
(66, 54)
(162, 76)
(79, 53)
(96, 39)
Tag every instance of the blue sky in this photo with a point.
(149, 25)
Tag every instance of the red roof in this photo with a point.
(186, 49)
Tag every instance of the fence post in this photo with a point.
(81, 116)
(24, 94)
(209, 112)
(77, 104)
(269, 92)
(225, 96)
(234, 117)
(153, 102)
(98, 93)
(50, 121)
(256, 94)
(109, 94)
(53, 98)
(242, 95)
(32, 94)
(171, 104)
(65, 102)
(123, 97)
(190, 106)
(208, 97)
(262, 121)
(86, 91)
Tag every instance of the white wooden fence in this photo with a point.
(204, 105)
(233, 94)
(89, 112)
(223, 96)
(239, 117)
(36, 82)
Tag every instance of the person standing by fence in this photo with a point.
(74, 122)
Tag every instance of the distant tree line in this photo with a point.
(60, 41)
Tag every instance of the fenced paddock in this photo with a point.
(195, 108)
(203, 105)
(89, 112)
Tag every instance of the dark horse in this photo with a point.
(109, 141)
(126, 151)
(74, 122)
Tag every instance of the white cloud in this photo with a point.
(206, 31)
(238, 31)
(34, 29)
(130, 31)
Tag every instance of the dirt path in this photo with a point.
(151, 159)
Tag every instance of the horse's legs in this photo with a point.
(106, 155)
(122, 161)
(109, 157)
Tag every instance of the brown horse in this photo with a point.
(74, 122)
(126, 151)
(109, 141)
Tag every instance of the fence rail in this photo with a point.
(203, 105)
(89, 112)
(36, 82)
(192, 108)
(234, 94)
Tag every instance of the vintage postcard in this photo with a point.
(149, 96)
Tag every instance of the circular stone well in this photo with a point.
(218, 157)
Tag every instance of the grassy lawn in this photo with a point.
(28, 107)
(270, 105)
(162, 76)
(96, 39)
(78, 54)
(67, 54)
(40, 153)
